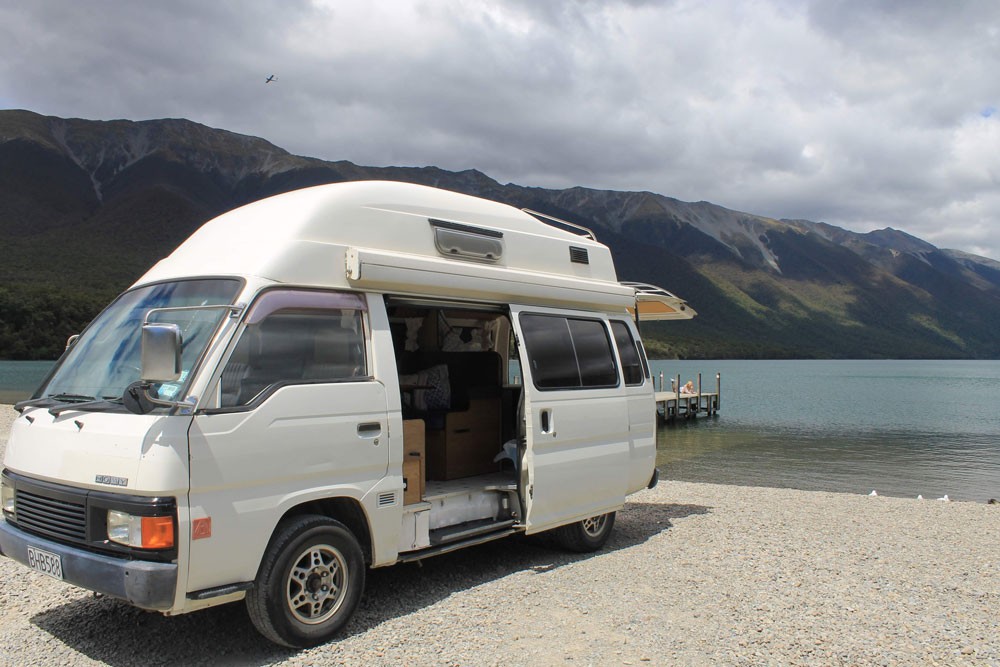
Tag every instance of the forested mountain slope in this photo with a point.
(87, 206)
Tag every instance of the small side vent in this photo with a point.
(387, 499)
(578, 255)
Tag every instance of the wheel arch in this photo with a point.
(347, 511)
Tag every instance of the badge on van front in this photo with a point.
(109, 479)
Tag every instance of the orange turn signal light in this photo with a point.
(157, 532)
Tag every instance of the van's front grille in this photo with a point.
(78, 517)
(59, 519)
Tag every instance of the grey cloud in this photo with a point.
(856, 113)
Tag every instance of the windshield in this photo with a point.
(107, 357)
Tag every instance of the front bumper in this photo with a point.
(142, 583)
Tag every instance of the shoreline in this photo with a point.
(8, 415)
(694, 573)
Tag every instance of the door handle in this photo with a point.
(548, 423)
(369, 429)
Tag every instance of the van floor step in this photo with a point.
(437, 490)
(465, 530)
(448, 547)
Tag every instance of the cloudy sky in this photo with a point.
(861, 113)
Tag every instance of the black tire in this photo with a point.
(587, 535)
(309, 583)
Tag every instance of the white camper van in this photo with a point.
(342, 377)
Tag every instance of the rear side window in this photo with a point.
(633, 365)
(295, 337)
(568, 352)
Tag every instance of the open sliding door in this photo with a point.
(576, 462)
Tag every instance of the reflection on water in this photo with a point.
(901, 427)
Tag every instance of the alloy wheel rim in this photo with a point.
(317, 584)
(594, 525)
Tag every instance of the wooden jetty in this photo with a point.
(673, 404)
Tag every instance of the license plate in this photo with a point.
(45, 562)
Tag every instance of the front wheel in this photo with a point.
(309, 584)
(587, 535)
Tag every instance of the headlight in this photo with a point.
(7, 496)
(145, 532)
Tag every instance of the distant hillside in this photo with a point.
(87, 206)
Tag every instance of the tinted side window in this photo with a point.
(550, 352)
(593, 353)
(293, 344)
(568, 353)
(643, 358)
(632, 367)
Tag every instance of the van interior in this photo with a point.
(460, 388)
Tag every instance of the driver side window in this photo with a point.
(295, 337)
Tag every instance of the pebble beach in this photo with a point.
(694, 574)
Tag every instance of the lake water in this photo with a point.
(901, 427)
(20, 379)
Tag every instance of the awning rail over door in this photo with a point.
(657, 304)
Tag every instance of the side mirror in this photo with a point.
(161, 352)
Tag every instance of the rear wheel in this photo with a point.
(309, 584)
(587, 535)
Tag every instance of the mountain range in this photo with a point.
(87, 206)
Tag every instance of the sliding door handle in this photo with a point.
(369, 429)
(547, 422)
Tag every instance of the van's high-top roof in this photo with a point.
(390, 236)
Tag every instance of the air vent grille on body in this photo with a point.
(387, 499)
(578, 255)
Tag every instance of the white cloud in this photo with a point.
(863, 114)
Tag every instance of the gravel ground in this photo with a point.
(695, 574)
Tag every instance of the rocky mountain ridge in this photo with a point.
(87, 206)
(104, 149)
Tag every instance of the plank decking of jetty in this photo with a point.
(672, 404)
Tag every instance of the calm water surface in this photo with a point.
(901, 427)
(20, 379)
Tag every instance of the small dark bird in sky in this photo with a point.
(270, 79)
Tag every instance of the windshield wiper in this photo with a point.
(49, 400)
(33, 402)
(71, 398)
(79, 402)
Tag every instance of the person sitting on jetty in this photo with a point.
(688, 388)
